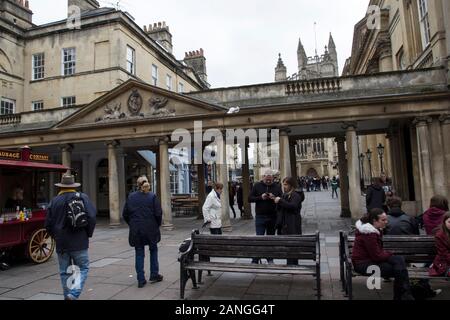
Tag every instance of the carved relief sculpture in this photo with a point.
(135, 103)
(112, 113)
(159, 109)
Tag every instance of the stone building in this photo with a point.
(395, 36)
(316, 156)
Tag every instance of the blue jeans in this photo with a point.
(265, 226)
(154, 265)
(73, 280)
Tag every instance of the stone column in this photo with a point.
(354, 175)
(424, 149)
(399, 170)
(222, 177)
(246, 183)
(445, 130)
(122, 179)
(164, 183)
(285, 157)
(201, 189)
(437, 157)
(66, 156)
(415, 164)
(343, 176)
(114, 210)
(52, 178)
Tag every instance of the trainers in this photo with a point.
(437, 292)
(157, 278)
(70, 297)
(142, 284)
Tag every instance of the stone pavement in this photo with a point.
(112, 275)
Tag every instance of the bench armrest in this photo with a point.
(183, 257)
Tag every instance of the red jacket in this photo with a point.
(368, 246)
(432, 220)
(441, 263)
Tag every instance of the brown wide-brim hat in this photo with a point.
(68, 181)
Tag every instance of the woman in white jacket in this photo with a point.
(212, 209)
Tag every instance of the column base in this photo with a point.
(346, 213)
(168, 227)
(115, 225)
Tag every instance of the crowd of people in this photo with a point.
(278, 206)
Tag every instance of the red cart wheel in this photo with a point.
(41, 246)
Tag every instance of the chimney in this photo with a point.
(197, 61)
(161, 34)
(17, 12)
(84, 5)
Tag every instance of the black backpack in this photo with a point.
(76, 216)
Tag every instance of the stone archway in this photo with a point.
(312, 173)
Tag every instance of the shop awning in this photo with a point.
(32, 165)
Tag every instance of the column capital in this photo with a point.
(445, 118)
(66, 147)
(112, 143)
(284, 131)
(340, 139)
(162, 140)
(351, 125)
(422, 121)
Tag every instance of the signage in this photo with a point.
(10, 155)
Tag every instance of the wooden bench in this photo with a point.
(415, 250)
(205, 247)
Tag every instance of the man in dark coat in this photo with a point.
(240, 198)
(375, 197)
(71, 245)
(399, 223)
(143, 213)
(263, 194)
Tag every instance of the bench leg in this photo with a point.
(193, 278)
(319, 283)
(200, 274)
(184, 276)
(349, 284)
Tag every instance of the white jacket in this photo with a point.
(212, 210)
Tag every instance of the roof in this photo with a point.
(32, 165)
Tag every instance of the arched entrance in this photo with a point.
(312, 173)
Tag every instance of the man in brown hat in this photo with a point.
(71, 222)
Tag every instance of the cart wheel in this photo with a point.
(41, 246)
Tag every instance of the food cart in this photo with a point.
(24, 234)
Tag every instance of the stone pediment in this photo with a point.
(137, 101)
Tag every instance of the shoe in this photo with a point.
(158, 278)
(142, 284)
(437, 292)
(70, 297)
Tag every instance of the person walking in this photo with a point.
(143, 214)
(240, 198)
(212, 210)
(368, 251)
(289, 206)
(334, 188)
(375, 197)
(232, 196)
(71, 220)
(263, 194)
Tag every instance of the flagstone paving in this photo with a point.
(112, 275)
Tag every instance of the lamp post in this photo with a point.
(369, 158)
(361, 160)
(380, 149)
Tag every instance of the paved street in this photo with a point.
(112, 273)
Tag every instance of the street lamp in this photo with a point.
(361, 161)
(381, 154)
(369, 158)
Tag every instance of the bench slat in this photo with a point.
(254, 248)
(248, 268)
(272, 255)
(267, 243)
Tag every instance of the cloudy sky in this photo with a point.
(241, 38)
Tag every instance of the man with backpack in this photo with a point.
(71, 220)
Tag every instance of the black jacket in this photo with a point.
(66, 239)
(143, 213)
(399, 223)
(289, 219)
(375, 197)
(265, 207)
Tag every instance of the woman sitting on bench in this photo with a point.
(368, 252)
(441, 265)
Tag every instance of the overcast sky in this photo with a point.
(241, 38)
